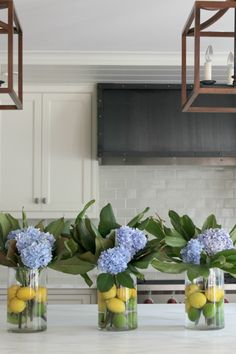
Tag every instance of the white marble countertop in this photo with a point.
(72, 329)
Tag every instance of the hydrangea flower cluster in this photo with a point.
(215, 240)
(192, 252)
(128, 242)
(114, 260)
(34, 246)
(211, 241)
(132, 239)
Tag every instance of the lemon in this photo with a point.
(190, 289)
(16, 305)
(197, 300)
(187, 305)
(109, 294)
(11, 292)
(123, 294)
(133, 293)
(41, 295)
(116, 305)
(209, 310)
(25, 293)
(119, 321)
(194, 314)
(214, 294)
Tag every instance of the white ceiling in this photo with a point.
(105, 25)
(87, 41)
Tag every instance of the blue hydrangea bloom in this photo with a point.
(37, 255)
(215, 240)
(13, 234)
(34, 246)
(191, 253)
(25, 237)
(114, 260)
(132, 239)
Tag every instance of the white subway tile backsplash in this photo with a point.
(194, 190)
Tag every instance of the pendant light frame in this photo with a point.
(197, 32)
(12, 28)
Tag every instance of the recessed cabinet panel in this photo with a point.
(20, 156)
(46, 160)
(66, 159)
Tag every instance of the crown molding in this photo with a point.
(114, 58)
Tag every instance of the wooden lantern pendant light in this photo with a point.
(194, 101)
(10, 27)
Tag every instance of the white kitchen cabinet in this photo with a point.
(46, 158)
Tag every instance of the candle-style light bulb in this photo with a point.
(230, 69)
(208, 63)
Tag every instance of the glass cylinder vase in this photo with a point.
(204, 301)
(27, 300)
(117, 308)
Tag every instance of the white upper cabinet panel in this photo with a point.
(20, 156)
(67, 166)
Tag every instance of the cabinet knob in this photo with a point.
(36, 200)
(44, 200)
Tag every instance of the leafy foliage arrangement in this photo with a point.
(85, 243)
(186, 247)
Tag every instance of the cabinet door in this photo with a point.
(20, 156)
(67, 165)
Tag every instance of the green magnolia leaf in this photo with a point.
(86, 238)
(132, 269)
(103, 244)
(188, 226)
(5, 227)
(83, 212)
(24, 219)
(87, 279)
(71, 246)
(107, 221)
(66, 229)
(144, 262)
(55, 227)
(175, 241)
(89, 257)
(142, 225)
(105, 282)
(134, 222)
(73, 265)
(177, 223)
(61, 251)
(169, 267)
(225, 253)
(210, 223)
(194, 272)
(175, 220)
(125, 280)
(154, 227)
(14, 222)
(12, 252)
(92, 228)
(40, 225)
(4, 261)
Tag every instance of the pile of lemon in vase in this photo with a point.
(204, 305)
(27, 308)
(117, 308)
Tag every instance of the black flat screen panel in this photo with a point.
(148, 122)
